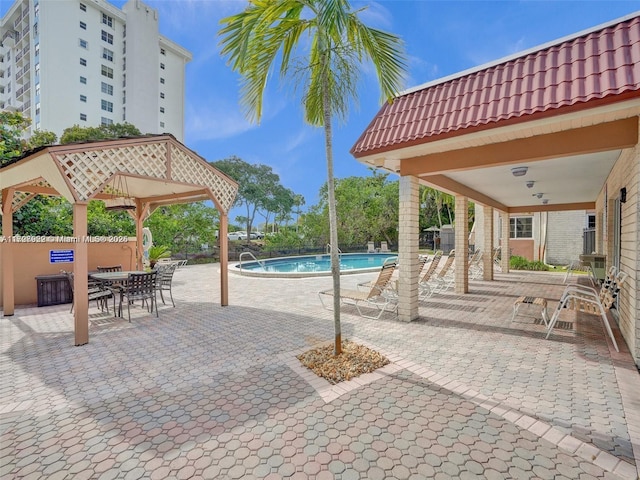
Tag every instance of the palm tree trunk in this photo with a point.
(333, 219)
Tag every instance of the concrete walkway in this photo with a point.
(212, 392)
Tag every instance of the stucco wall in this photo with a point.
(625, 174)
(32, 259)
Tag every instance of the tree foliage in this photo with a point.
(12, 145)
(367, 210)
(184, 228)
(260, 190)
(103, 132)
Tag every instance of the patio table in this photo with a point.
(117, 280)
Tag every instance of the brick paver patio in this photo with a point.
(216, 392)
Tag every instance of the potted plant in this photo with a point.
(157, 252)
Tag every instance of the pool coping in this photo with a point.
(248, 273)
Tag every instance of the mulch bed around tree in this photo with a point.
(352, 362)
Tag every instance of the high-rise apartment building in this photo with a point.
(87, 63)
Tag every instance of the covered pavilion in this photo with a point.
(564, 115)
(155, 170)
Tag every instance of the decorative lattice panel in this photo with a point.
(87, 171)
(185, 168)
(20, 198)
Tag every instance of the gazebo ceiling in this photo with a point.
(155, 169)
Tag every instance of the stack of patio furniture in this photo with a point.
(381, 296)
(582, 298)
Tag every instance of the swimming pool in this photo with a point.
(311, 265)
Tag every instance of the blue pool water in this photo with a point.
(313, 265)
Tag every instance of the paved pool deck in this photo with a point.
(212, 392)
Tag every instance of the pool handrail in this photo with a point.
(259, 262)
(328, 249)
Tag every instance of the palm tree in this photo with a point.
(271, 30)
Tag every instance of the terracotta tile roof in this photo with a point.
(591, 69)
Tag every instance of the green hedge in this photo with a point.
(521, 263)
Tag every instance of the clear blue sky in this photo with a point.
(441, 38)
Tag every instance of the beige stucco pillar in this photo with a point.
(462, 245)
(487, 241)
(139, 219)
(224, 260)
(408, 249)
(80, 273)
(504, 242)
(8, 300)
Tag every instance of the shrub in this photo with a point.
(520, 263)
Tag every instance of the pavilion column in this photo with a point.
(505, 251)
(8, 292)
(224, 260)
(487, 242)
(461, 270)
(80, 274)
(408, 236)
(141, 210)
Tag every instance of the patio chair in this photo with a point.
(424, 284)
(96, 292)
(384, 248)
(371, 247)
(115, 287)
(475, 265)
(164, 280)
(496, 259)
(445, 277)
(422, 259)
(582, 298)
(140, 286)
(379, 296)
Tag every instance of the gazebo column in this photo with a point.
(505, 251)
(462, 245)
(141, 211)
(487, 242)
(224, 260)
(8, 292)
(80, 274)
(408, 249)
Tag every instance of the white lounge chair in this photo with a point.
(379, 296)
(371, 247)
(384, 248)
(588, 300)
(426, 281)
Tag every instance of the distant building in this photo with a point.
(85, 62)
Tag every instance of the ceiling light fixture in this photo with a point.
(545, 201)
(539, 195)
(530, 184)
(519, 171)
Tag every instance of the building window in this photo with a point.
(83, 80)
(83, 62)
(106, 88)
(161, 80)
(162, 66)
(106, 121)
(161, 109)
(83, 43)
(107, 20)
(83, 7)
(162, 52)
(83, 25)
(107, 54)
(83, 117)
(591, 221)
(107, 72)
(521, 227)
(161, 94)
(107, 37)
(106, 106)
(83, 98)
(36, 50)
(161, 124)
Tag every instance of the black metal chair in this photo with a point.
(165, 277)
(96, 292)
(140, 286)
(115, 287)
